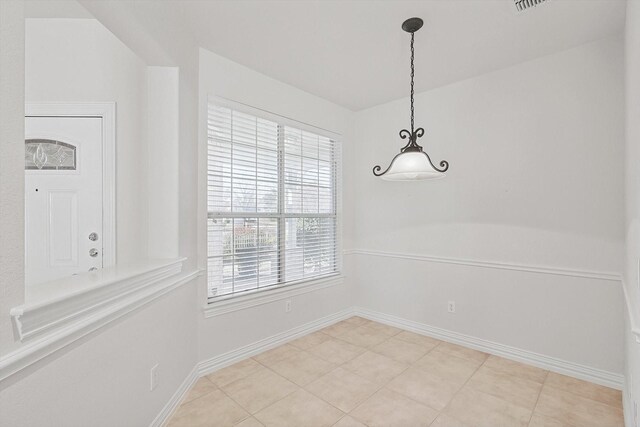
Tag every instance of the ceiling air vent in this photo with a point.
(522, 5)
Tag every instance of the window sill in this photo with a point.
(224, 305)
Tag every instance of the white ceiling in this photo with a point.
(68, 9)
(355, 54)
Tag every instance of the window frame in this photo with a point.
(226, 302)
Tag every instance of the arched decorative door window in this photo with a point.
(49, 154)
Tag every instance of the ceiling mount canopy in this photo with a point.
(412, 163)
(412, 25)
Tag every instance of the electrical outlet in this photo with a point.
(287, 306)
(451, 307)
(154, 378)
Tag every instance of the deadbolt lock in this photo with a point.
(93, 252)
(93, 236)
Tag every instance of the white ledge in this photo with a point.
(52, 305)
(222, 305)
(122, 294)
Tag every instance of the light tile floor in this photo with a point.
(361, 373)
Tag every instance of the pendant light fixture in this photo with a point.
(412, 164)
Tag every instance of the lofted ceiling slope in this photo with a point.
(355, 54)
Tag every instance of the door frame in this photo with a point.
(107, 112)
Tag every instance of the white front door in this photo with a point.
(63, 200)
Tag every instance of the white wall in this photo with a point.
(536, 155)
(632, 169)
(226, 79)
(102, 379)
(552, 113)
(11, 166)
(163, 128)
(105, 377)
(79, 60)
(160, 40)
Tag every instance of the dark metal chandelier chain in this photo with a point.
(412, 73)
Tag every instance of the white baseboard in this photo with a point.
(164, 415)
(207, 366)
(594, 375)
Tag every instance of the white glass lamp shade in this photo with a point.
(411, 166)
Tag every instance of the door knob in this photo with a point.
(93, 236)
(93, 252)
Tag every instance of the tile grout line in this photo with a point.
(388, 337)
(359, 376)
(533, 411)
(406, 369)
(378, 385)
(299, 388)
(341, 365)
(359, 403)
(459, 390)
(366, 349)
(182, 402)
(246, 376)
(208, 393)
(578, 395)
(237, 403)
(406, 397)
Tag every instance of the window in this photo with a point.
(272, 203)
(49, 154)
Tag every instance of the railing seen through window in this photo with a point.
(272, 203)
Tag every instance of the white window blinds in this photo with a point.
(272, 203)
